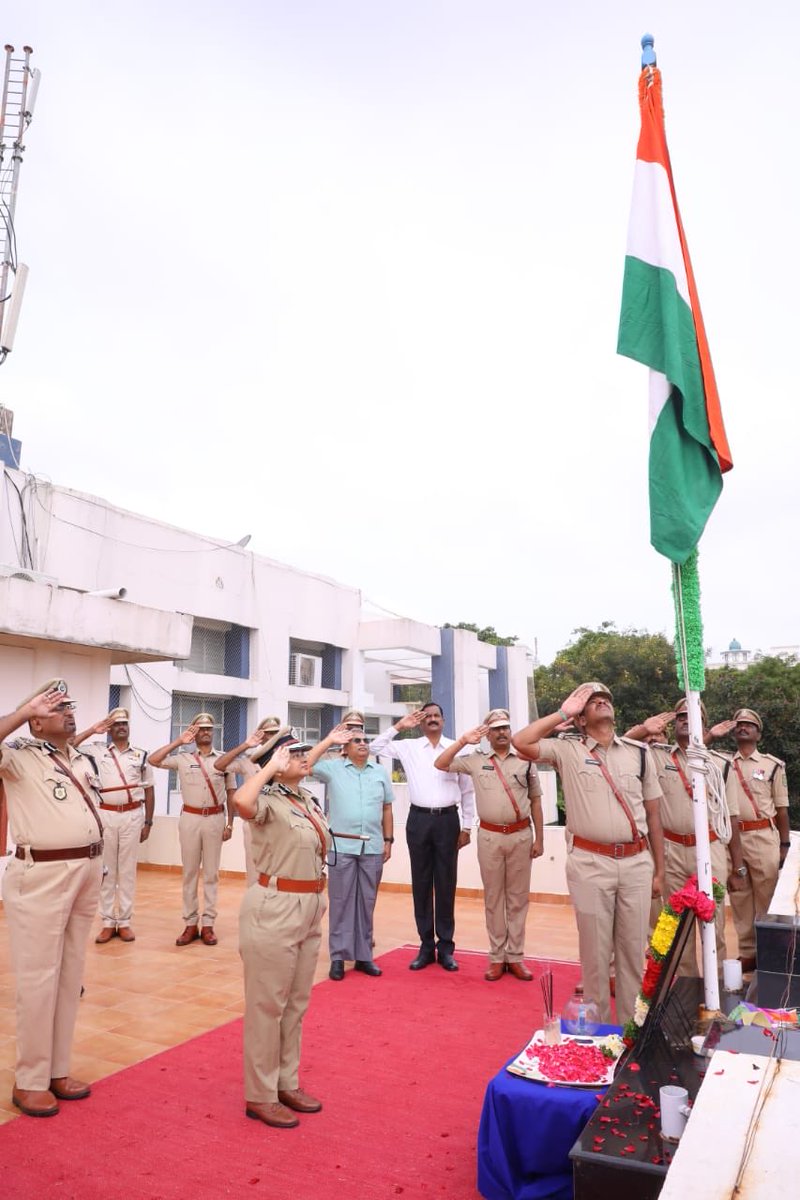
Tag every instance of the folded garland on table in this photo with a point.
(689, 897)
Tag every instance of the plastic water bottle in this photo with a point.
(581, 1016)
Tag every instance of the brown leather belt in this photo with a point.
(687, 839)
(121, 807)
(204, 812)
(615, 850)
(434, 812)
(293, 885)
(749, 826)
(93, 851)
(514, 827)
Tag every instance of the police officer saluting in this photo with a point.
(50, 890)
(757, 782)
(126, 783)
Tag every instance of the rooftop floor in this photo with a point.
(146, 996)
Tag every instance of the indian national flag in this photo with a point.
(661, 326)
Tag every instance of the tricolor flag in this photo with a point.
(661, 326)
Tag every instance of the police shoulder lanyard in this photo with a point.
(681, 772)
(292, 797)
(63, 769)
(746, 788)
(202, 767)
(617, 793)
(124, 786)
(509, 793)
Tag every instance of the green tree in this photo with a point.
(771, 687)
(637, 666)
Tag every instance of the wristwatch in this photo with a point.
(741, 871)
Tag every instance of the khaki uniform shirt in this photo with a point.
(192, 781)
(677, 806)
(243, 765)
(45, 808)
(285, 841)
(765, 775)
(593, 811)
(134, 766)
(491, 799)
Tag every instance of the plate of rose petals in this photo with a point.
(575, 1062)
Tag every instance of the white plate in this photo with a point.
(527, 1066)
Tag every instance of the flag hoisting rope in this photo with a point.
(661, 326)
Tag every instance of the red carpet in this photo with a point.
(401, 1064)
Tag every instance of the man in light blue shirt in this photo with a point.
(359, 806)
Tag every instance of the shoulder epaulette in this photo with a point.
(774, 758)
(26, 743)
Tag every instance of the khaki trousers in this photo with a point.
(761, 854)
(201, 845)
(279, 942)
(505, 863)
(121, 833)
(611, 898)
(49, 909)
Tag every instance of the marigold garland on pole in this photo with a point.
(688, 897)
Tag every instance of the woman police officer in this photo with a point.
(280, 926)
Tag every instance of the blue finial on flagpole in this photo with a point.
(648, 53)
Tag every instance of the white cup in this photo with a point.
(732, 975)
(674, 1111)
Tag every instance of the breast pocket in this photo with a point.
(591, 781)
(631, 786)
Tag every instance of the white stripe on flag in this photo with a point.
(660, 388)
(653, 231)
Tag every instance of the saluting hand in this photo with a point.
(341, 735)
(46, 703)
(256, 739)
(188, 735)
(720, 730)
(280, 759)
(576, 701)
(411, 721)
(474, 735)
(656, 725)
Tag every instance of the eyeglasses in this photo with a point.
(359, 741)
(67, 706)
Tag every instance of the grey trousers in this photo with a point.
(352, 891)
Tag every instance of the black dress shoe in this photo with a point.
(337, 970)
(368, 968)
(423, 959)
(448, 962)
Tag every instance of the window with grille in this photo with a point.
(218, 648)
(229, 714)
(372, 726)
(307, 722)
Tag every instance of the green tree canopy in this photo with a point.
(639, 667)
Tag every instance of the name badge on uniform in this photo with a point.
(591, 762)
(670, 767)
(489, 768)
(59, 792)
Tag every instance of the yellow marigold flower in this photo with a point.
(664, 933)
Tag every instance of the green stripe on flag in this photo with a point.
(656, 328)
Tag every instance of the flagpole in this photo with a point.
(692, 673)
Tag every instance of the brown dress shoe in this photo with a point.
(35, 1104)
(300, 1101)
(67, 1088)
(519, 971)
(495, 972)
(190, 934)
(105, 935)
(272, 1114)
(126, 934)
(207, 936)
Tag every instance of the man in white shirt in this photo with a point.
(433, 830)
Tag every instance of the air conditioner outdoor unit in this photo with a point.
(305, 670)
(10, 572)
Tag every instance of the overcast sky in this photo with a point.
(346, 276)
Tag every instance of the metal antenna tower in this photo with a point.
(20, 86)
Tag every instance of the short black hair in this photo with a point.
(433, 704)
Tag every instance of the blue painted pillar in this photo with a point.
(498, 680)
(443, 683)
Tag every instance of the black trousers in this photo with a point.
(433, 852)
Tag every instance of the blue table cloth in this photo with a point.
(526, 1132)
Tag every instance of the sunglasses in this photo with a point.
(359, 741)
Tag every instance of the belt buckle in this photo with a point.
(95, 850)
(619, 849)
